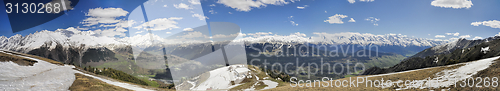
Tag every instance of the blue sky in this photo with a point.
(123, 11)
(408, 17)
(418, 18)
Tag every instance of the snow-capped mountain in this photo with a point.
(75, 38)
(70, 37)
(347, 38)
(455, 52)
(450, 47)
(68, 45)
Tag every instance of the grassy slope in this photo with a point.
(18, 60)
(492, 71)
(416, 75)
(384, 61)
(37, 57)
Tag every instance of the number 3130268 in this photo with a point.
(33, 8)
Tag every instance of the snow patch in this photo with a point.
(270, 84)
(221, 78)
(42, 76)
(485, 50)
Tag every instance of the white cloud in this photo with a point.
(326, 12)
(195, 34)
(106, 16)
(498, 34)
(465, 36)
(476, 23)
(294, 24)
(165, 5)
(160, 24)
(456, 4)
(490, 23)
(247, 5)
(168, 32)
(182, 6)
(107, 12)
(373, 20)
(439, 36)
(187, 29)
(211, 11)
(351, 1)
(477, 37)
(229, 12)
(110, 32)
(302, 7)
(257, 34)
(212, 5)
(453, 39)
(366, 0)
(201, 17)
(299, 34)
(139, 32)
(122, 23)
(291, 21)
(454, 34)
(194, 2)
(336, 19)
(352, 20)
(225, 36)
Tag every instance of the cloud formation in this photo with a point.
(439, 36)
(335, 19)
(302, 7)
(201, 17)
(456, 4)
(160, 24)
(490, 23)
(182, 6)
(454, 34)
(465, 36)
(352, 20)
(477, 37)
(291, 21)
(103, 15)
(353, 1)
(373, 20)
(194, 2)
(247, 5)
(187, 29)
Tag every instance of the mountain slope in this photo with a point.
(486, 49)
(449, 47)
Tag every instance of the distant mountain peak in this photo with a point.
(348, 38)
